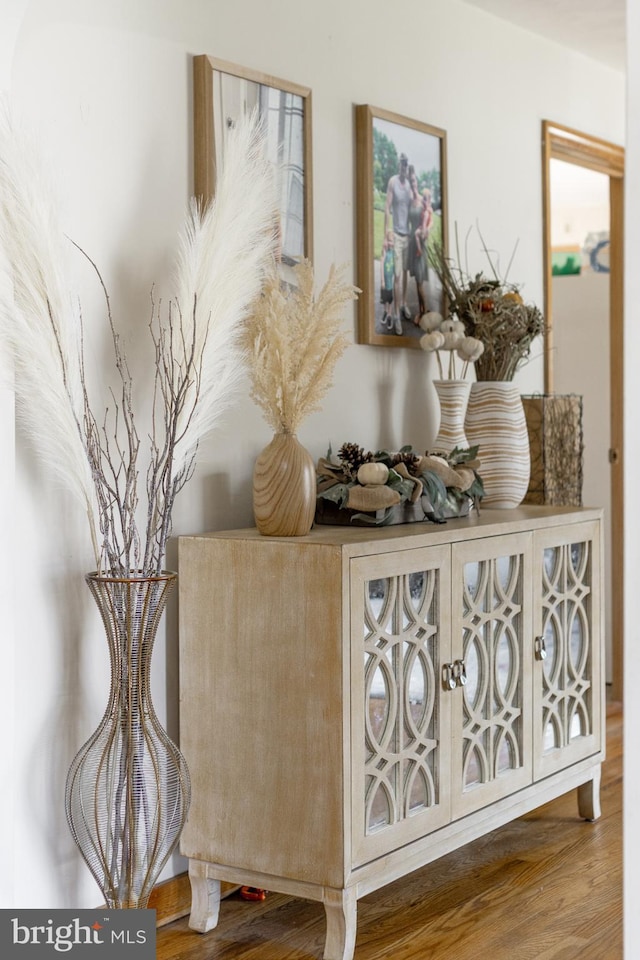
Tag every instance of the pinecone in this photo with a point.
(408, 457)
(352, 457)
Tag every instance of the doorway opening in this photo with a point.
(584, 335)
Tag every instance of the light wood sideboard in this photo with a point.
(358, 702)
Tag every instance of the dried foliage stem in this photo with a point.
(492, 311)
(226, 251)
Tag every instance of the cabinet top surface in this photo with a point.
(485, 523)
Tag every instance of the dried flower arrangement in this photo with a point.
(226, 250)
(294, 340)
(369, 486)
(450, 336)
(492, 311)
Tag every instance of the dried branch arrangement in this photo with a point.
(492, 311)
(294, 341)
(226, 252)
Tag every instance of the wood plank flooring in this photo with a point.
(546, 887)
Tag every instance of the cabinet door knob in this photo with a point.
(454, 674)
(461, 673)
(540, 648)
(449, 680)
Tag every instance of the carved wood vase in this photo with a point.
(284, 488)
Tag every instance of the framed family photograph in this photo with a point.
(223, 92)
(401, 214)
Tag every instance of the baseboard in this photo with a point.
(172, 899)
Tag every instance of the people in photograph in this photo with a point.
(419, 234)
(428, 206)
(425, 230)
(387, 275)
(396, 217)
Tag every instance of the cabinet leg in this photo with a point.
(205, 897)
(589, 797)
(341, 910)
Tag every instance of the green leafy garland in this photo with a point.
(442, 483)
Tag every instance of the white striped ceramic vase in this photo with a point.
(452, 396)
(495, 421)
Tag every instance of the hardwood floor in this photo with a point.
(546, 887)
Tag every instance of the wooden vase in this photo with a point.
(284, 488)
(496, 423)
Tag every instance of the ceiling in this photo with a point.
(593, 27)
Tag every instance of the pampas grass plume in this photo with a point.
(225, 255)
(226, 249)
(39, 319)
(295, 340)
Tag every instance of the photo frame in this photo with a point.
(224, 91)
(394, 228)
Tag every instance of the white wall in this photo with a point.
(579, 203)
(12, 18)
(581, 365)
(108, 85)
(631, 795)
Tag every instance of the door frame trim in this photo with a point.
(564, 143)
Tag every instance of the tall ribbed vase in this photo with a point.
(284, 488)
(128, 788)
(496, 422)
(453, 396)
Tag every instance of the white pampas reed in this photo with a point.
(225, 251)
(39, 323)
(232, 240)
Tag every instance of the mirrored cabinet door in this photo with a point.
(492, 643)
(400, 720)
(567, 714)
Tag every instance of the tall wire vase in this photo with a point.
(128, 788)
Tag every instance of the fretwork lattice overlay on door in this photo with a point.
(567, 667)
(492, 653)
(401, 641)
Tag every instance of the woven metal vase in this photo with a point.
(128, 789)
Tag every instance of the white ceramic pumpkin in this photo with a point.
(373, 473)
